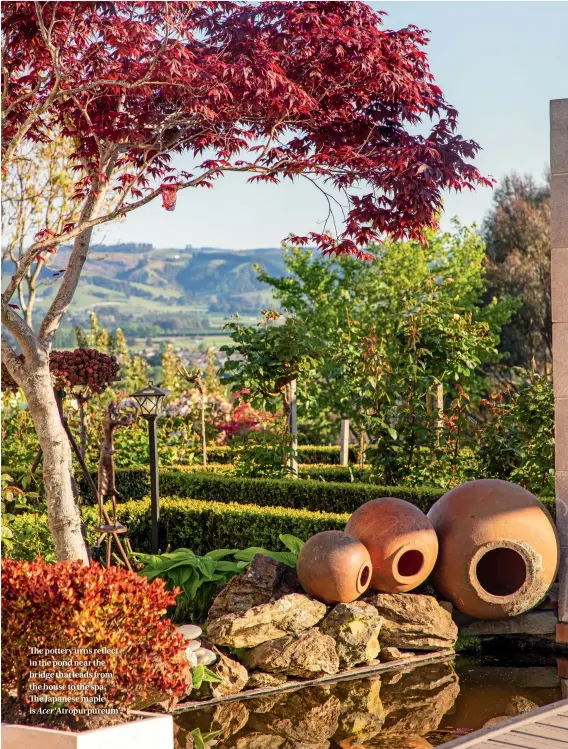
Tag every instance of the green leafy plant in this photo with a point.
(201, 674)
(19, 541)
(203, 740)
(199, 577)
(290, 557)
(517, 443)
(270, 355)
(266, 454)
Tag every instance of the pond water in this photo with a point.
(411, 708)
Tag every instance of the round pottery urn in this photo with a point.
(400, 540)
(498, 548)
(334, 567)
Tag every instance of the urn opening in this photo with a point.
(410, 563)
(364, 577)
(501, 571)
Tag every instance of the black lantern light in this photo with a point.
(149, 401)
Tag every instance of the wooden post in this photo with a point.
(559, 292)
(438, 405)
(344, 443)
(293, 428)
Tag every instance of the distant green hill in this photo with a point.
(127, 282)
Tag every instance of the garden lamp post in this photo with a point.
(149, 401)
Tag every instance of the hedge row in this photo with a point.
(306, 454)
(135, 480)
(194, 524)
(318, 496)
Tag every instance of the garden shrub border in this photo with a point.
(317, 496)
(306, 454)
(200, 525)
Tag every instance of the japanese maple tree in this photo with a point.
(318, 90)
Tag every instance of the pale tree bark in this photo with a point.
(63, 514)
(34, 377)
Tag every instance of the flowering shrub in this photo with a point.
(243, 418)
(67, 606)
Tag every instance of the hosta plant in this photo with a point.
(200, 577)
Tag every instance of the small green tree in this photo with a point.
(172, 368)
(267, 358)
(345, 303)
(432, 341)
(517, 442)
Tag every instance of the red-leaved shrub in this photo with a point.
(76, 611)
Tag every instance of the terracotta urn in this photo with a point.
(400, 540)
(498, 548)
(334, 567)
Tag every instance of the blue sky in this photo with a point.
(498, 63)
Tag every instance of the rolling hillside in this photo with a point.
(129, 282)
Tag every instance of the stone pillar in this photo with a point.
(344, 443)
(559, 278)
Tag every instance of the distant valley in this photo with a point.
(137, 285)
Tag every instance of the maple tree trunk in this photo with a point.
(62, 511)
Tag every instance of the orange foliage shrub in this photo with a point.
(87, 615)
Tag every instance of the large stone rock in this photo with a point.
(269, 621)
(233, 674)
(355, 628)
(390, 654)
(413, 622)
(308, 715)
(308, 654)
(253, 588)
(362, 714)
(261, 679)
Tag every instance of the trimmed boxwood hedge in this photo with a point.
(204, 526)
(306, 454)
(318, 496)
(198, 525)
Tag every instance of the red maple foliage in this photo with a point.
(279, 89)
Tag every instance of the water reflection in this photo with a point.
(413, 708)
